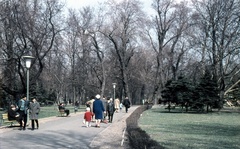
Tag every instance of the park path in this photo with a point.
(67, 133)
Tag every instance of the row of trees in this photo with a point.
(82, 52)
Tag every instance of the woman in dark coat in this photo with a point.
(34, 110)
(61, 106)
(13, 114)
(98, 110)
(126, 103)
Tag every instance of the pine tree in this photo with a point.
(167, 94)
(178, 92)
(208, 91)
(183, 89)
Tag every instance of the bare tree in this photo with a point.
(219, 21)
(78, 49)
(169, 25)
(31, 29)
(121, 31)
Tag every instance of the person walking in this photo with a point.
(104, 101)
(117, 104)
(110, 110)
(98, 110)
(23, 105)
(88, 117)
(89, 103)
(34, 109)
(126, 104)
(91, 106)
(121, 106)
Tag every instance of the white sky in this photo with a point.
(80, 3)
(76, 4)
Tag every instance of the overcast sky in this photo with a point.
(80, 3)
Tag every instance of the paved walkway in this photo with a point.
(68, 132)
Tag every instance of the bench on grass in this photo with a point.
(62, 112)
(171, 107)
(6, 121)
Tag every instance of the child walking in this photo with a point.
(121, 106)
(88, 117)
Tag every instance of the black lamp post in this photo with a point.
(28, 61)
(114, 86)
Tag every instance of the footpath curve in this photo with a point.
(114, 135)
(68, 132)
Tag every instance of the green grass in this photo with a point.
(219, 130)
(49, 111)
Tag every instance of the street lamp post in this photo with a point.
(28, 60)
(114, 86)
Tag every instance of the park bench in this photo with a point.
(171, 107)
(62, 112)
(6, 121)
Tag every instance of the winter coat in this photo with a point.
(98, 109)
(88, 116)
(13, 114)
(110, 108)
(117, 103)
(90, 104)
(61, 107)
(25, 107)
(34, 110)
(104, 101)
(126, 103)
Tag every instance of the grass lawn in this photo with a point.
(176, 130)
(49, 111)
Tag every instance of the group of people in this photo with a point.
(19, 112)
(102, 108)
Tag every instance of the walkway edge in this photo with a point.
(113, 136)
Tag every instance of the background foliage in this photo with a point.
(79, 53)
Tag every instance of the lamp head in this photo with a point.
(114, 85)
(28, 60)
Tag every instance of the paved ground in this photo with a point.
(68, 132)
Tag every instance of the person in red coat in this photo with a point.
(88, 117)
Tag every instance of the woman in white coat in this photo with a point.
(117, 104)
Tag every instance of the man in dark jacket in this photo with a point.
(126, 103)
(22, 109)
(110, 110)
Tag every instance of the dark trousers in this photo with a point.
(23, 119)
(67, 111)
(110, 117)
(126, 109)
(36, 123)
